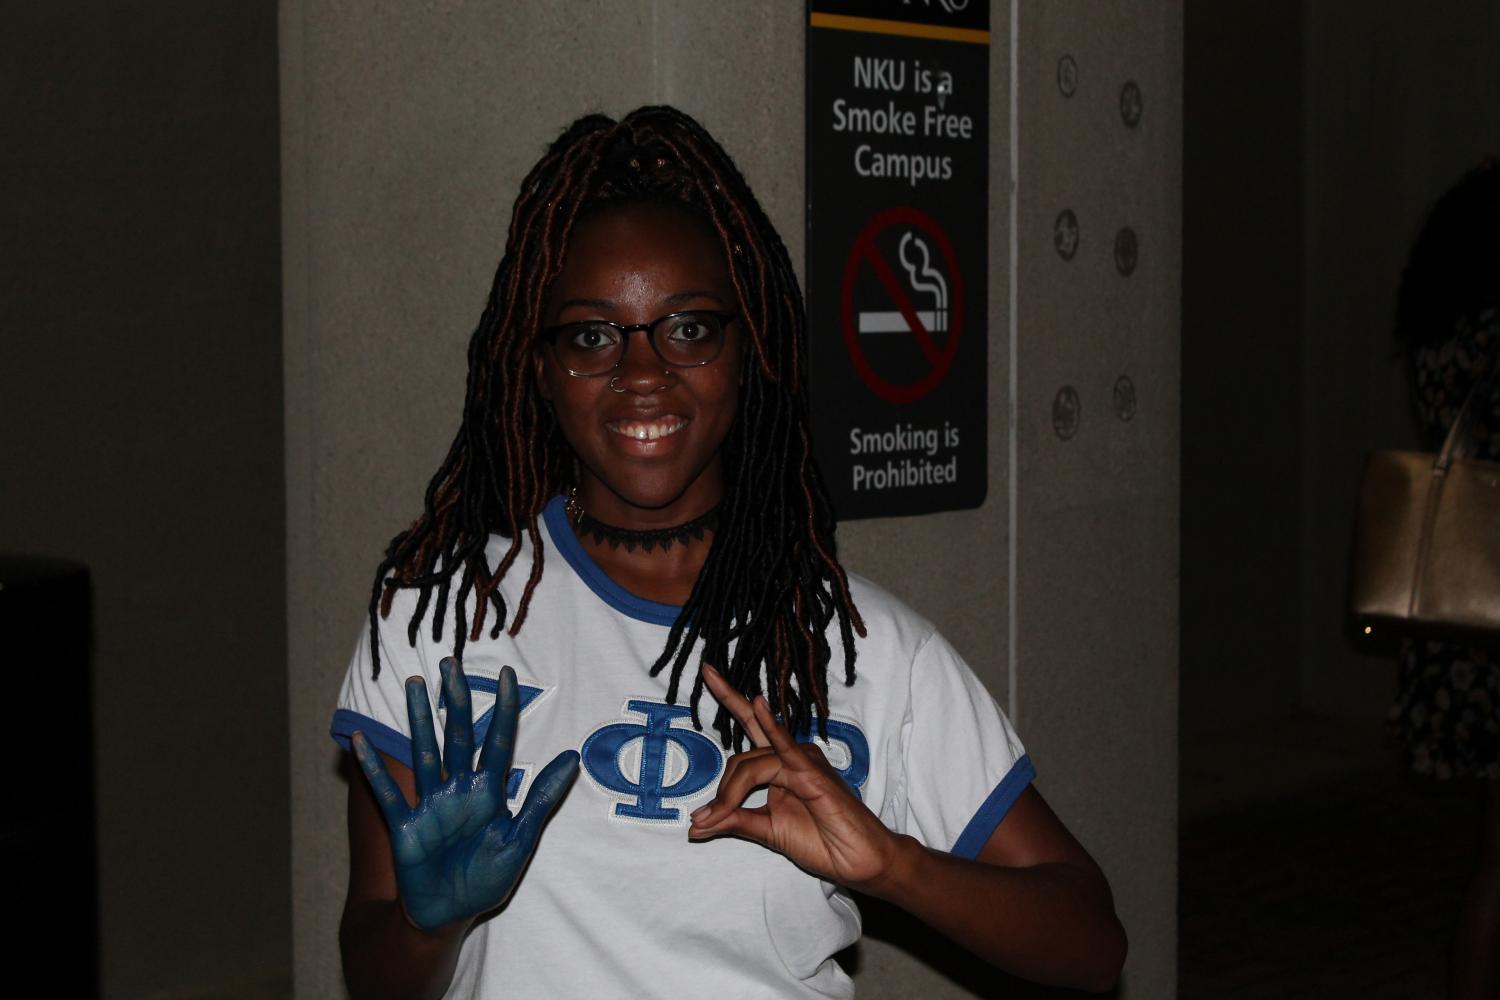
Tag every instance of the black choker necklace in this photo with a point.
(692, 530)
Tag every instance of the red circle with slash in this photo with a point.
(940, 359)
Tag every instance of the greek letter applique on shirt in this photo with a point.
(847, 751)
(479, 684)
(648, 765)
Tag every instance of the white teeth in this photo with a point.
(649, 430)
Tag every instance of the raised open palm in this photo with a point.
(459, 852)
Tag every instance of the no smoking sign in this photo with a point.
(897, 253)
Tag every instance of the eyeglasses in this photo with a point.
(594, 347)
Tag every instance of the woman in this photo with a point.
(636, 423)
(1447, 708)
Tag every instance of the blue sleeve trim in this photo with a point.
(391, 742)
(561, 533)
(988, 818)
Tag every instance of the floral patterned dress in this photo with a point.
(1447, 710)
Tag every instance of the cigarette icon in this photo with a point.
(926, 279)
(894, 322)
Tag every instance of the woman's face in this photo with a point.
(647, 435)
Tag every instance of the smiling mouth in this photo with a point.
(648, 430)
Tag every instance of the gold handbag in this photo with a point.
(1427, 541)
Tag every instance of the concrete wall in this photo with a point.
(140, 396)
(406, 128)
(1096, 535)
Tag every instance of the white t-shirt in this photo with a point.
(617, 901)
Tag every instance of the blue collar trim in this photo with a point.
(555, 517)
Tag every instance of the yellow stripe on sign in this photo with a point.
(879, 26)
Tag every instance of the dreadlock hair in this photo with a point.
(772, 583)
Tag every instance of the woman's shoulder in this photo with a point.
(900, 636)
(890, 623)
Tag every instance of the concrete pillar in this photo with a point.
(1096, 426)
(406, 129)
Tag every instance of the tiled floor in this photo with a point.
(1337, 880)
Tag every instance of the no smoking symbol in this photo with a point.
(945, 286)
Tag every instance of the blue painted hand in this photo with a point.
(460, 852)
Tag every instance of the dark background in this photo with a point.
(141, 435)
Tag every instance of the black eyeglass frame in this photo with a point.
(549, 335)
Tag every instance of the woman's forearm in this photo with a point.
(385, 955)
(1053, 923)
